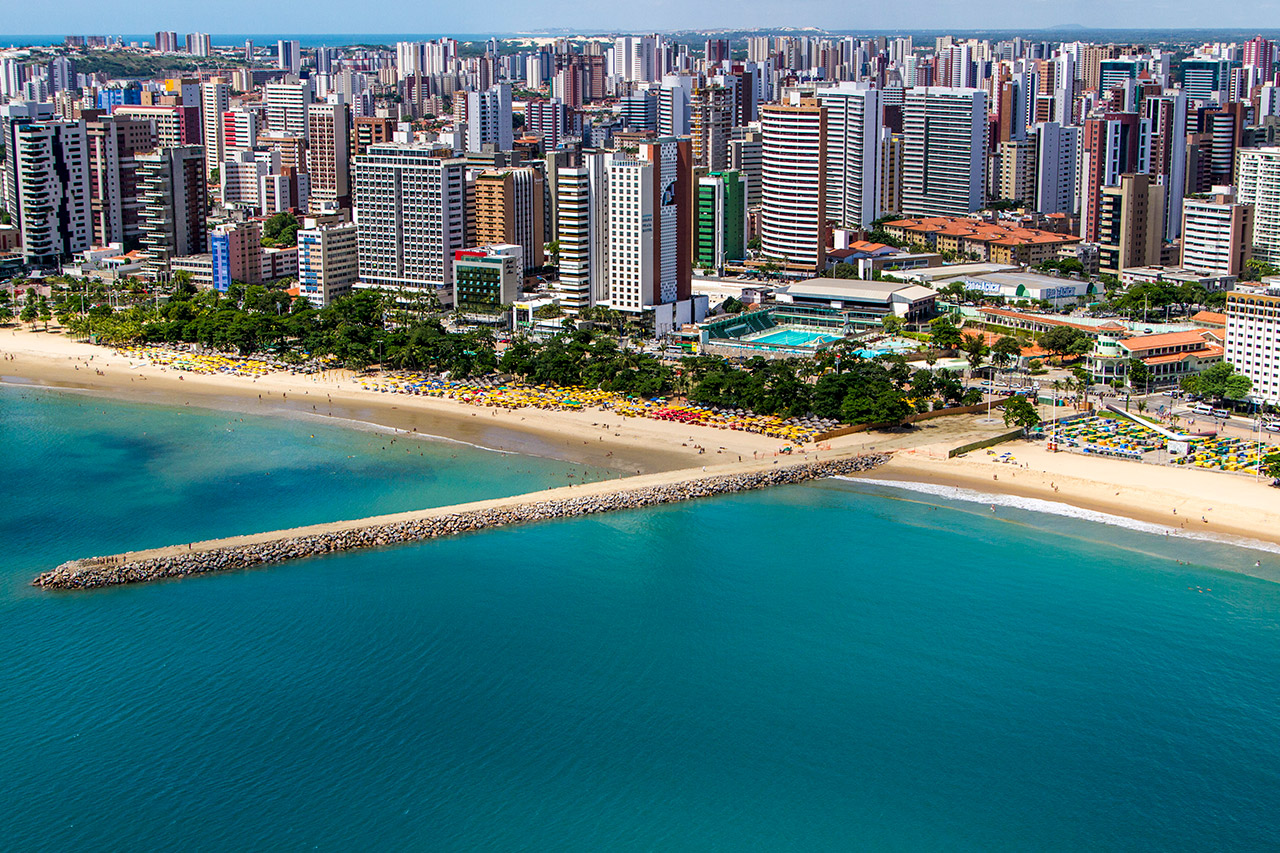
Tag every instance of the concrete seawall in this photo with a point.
(242, 552)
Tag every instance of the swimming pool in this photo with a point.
(794, 338)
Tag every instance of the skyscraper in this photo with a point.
(853, 153)
(650, 226)
(1258, 184)
(215, 97)
(794, 183)
(329, 155)
(328, 262)
(286, 105)
(51, 162)
(1217, 234)
(172, 189)
(489, 118)
(289, 56)
(113, 143)
(582, 231)
(944, 151)
(410, 206)
(721, 221)
(711, 122)
(509, 210)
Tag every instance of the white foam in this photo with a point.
(1064, 510)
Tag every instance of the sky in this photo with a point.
(95, 17)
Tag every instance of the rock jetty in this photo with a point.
(202, 558)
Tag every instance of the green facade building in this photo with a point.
(721, 235)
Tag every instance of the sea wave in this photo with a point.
(1063, 510)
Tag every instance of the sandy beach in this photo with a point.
(1188, 499)
(1192, 499)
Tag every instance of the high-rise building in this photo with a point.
(1217, 234)
(172, 189)
(650, 226)
(286, 105)
(1017, 177)
(113, 142)
(372, 130)
(944, 152)
(198, 44)
(329, 155)
(1109, 147)
(509, 210)
(853, 153)
(289, 56)
(410, 207)
(328, 261)
(1258, 184)
(545, 120)
(711, 122)
(489, 118)
(51, 162)
(178, 125)
(794, 183)
(721, 221)
(215, 98)
(746, 151)
(1130, 224)
(166, 42)
(582, 231)
(239, 130)
(1057, 148)
(242, 175)
(12, 116)
(1252, 341)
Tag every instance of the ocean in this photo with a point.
(833, 666)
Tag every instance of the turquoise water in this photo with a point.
(795, 338)
(827, 667)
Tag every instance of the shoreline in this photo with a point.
(1185, 500)
(1230, 505)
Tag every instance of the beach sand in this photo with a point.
(592, 437)
(1229, 504)
(1189, 499)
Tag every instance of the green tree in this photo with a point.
(1237, 387)
(944, 334)
(1139, 374)
(1065, 340)
(891, 323)
(975, 350)
(1005, 351)
(1018, 411)
(280, 231)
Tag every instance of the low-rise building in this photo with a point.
(977, 238)
(1209, 280)
(488, 276)
(911, 302)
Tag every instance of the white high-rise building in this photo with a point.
(1057, 156)
(51, 163)
(1258, 184)
(650, 226)
(794, 182)
(944, 163)
(410, 208)
(1217, 233)
(489, 118)
(215, 98)
(289, 56)
(286, 105)
(242, 174)
(582, 220)
(1251, 343)
(853, 153)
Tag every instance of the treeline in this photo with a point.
(370, 328)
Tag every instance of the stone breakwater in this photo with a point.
(201, 558)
